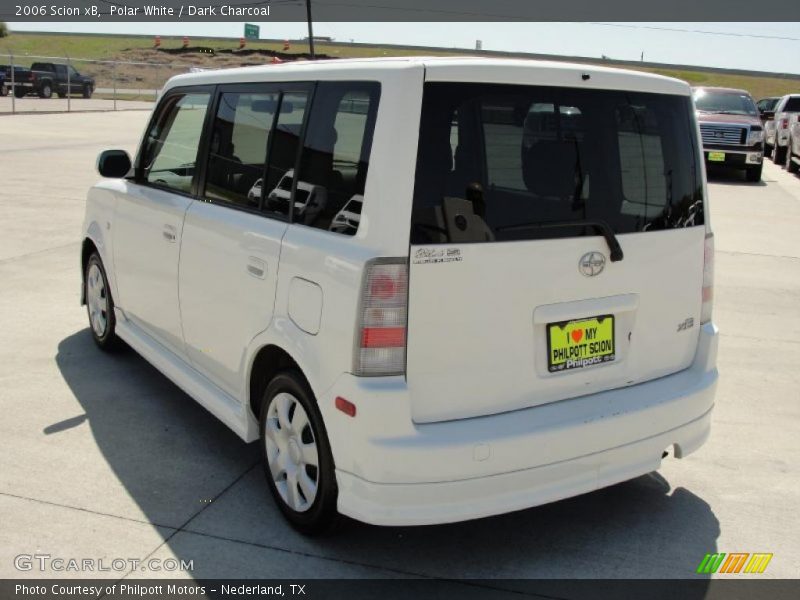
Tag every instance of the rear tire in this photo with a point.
(753, 174)
(20, 92)
(46, 91)
(3, 91)
(100, 305)
(767, 150)
(778, 154)
(791, 166)
(293, 438)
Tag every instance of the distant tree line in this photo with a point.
(3, 29)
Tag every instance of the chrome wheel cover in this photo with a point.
(292, 453)
(97, 300)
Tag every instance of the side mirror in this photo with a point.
(113, 163)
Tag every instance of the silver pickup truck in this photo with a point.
(787, 112)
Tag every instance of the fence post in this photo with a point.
(114, 81)
(69, 86)
(13, 88)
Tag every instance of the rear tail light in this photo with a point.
(708, 279)
(784, 123)
(382, 318)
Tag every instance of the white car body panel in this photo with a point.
(227, 282)
(147, 233)
(198, 309)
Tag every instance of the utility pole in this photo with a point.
(310, 30)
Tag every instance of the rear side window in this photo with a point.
(170, 148)
(496, 162)
(335, 158)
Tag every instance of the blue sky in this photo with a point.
(773, 47)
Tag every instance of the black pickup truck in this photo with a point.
(45, 79)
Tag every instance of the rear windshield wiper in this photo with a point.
(603, 227)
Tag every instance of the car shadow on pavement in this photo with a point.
(729, 176)
(172, 457)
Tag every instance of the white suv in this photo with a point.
(520, 312)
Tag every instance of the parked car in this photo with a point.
(347, 219)
(309, 199)
(3, 87)
(731, 129)
(766, 109)
(521, 313)
(766, 106)
(45, 79)
(787, 112)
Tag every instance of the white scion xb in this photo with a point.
(520, 311)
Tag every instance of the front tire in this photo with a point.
(87, 91)
(753, 174)
(297, 457)
(100, 305)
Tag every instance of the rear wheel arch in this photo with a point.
(268, 362)
(87, 249)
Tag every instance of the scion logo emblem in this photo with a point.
(592, 263)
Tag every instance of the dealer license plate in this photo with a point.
(580, 343)
(716, 157)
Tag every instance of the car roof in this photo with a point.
(442, 68)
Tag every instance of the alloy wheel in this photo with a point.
(97, 300)
(292, 452)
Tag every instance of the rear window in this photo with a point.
(496, 162)
(792, 105)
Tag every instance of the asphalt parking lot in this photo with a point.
(103, 457)
(34, 104)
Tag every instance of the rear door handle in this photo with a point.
(256, 267)
(170, 233)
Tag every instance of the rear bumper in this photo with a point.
(393, 472)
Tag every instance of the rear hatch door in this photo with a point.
(514, 300)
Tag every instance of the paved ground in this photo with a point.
(103, 457)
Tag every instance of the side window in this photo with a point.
(170, 153)
(335, 159)
(238, 147)
(282, 158)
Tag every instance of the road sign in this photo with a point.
(251, 32)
